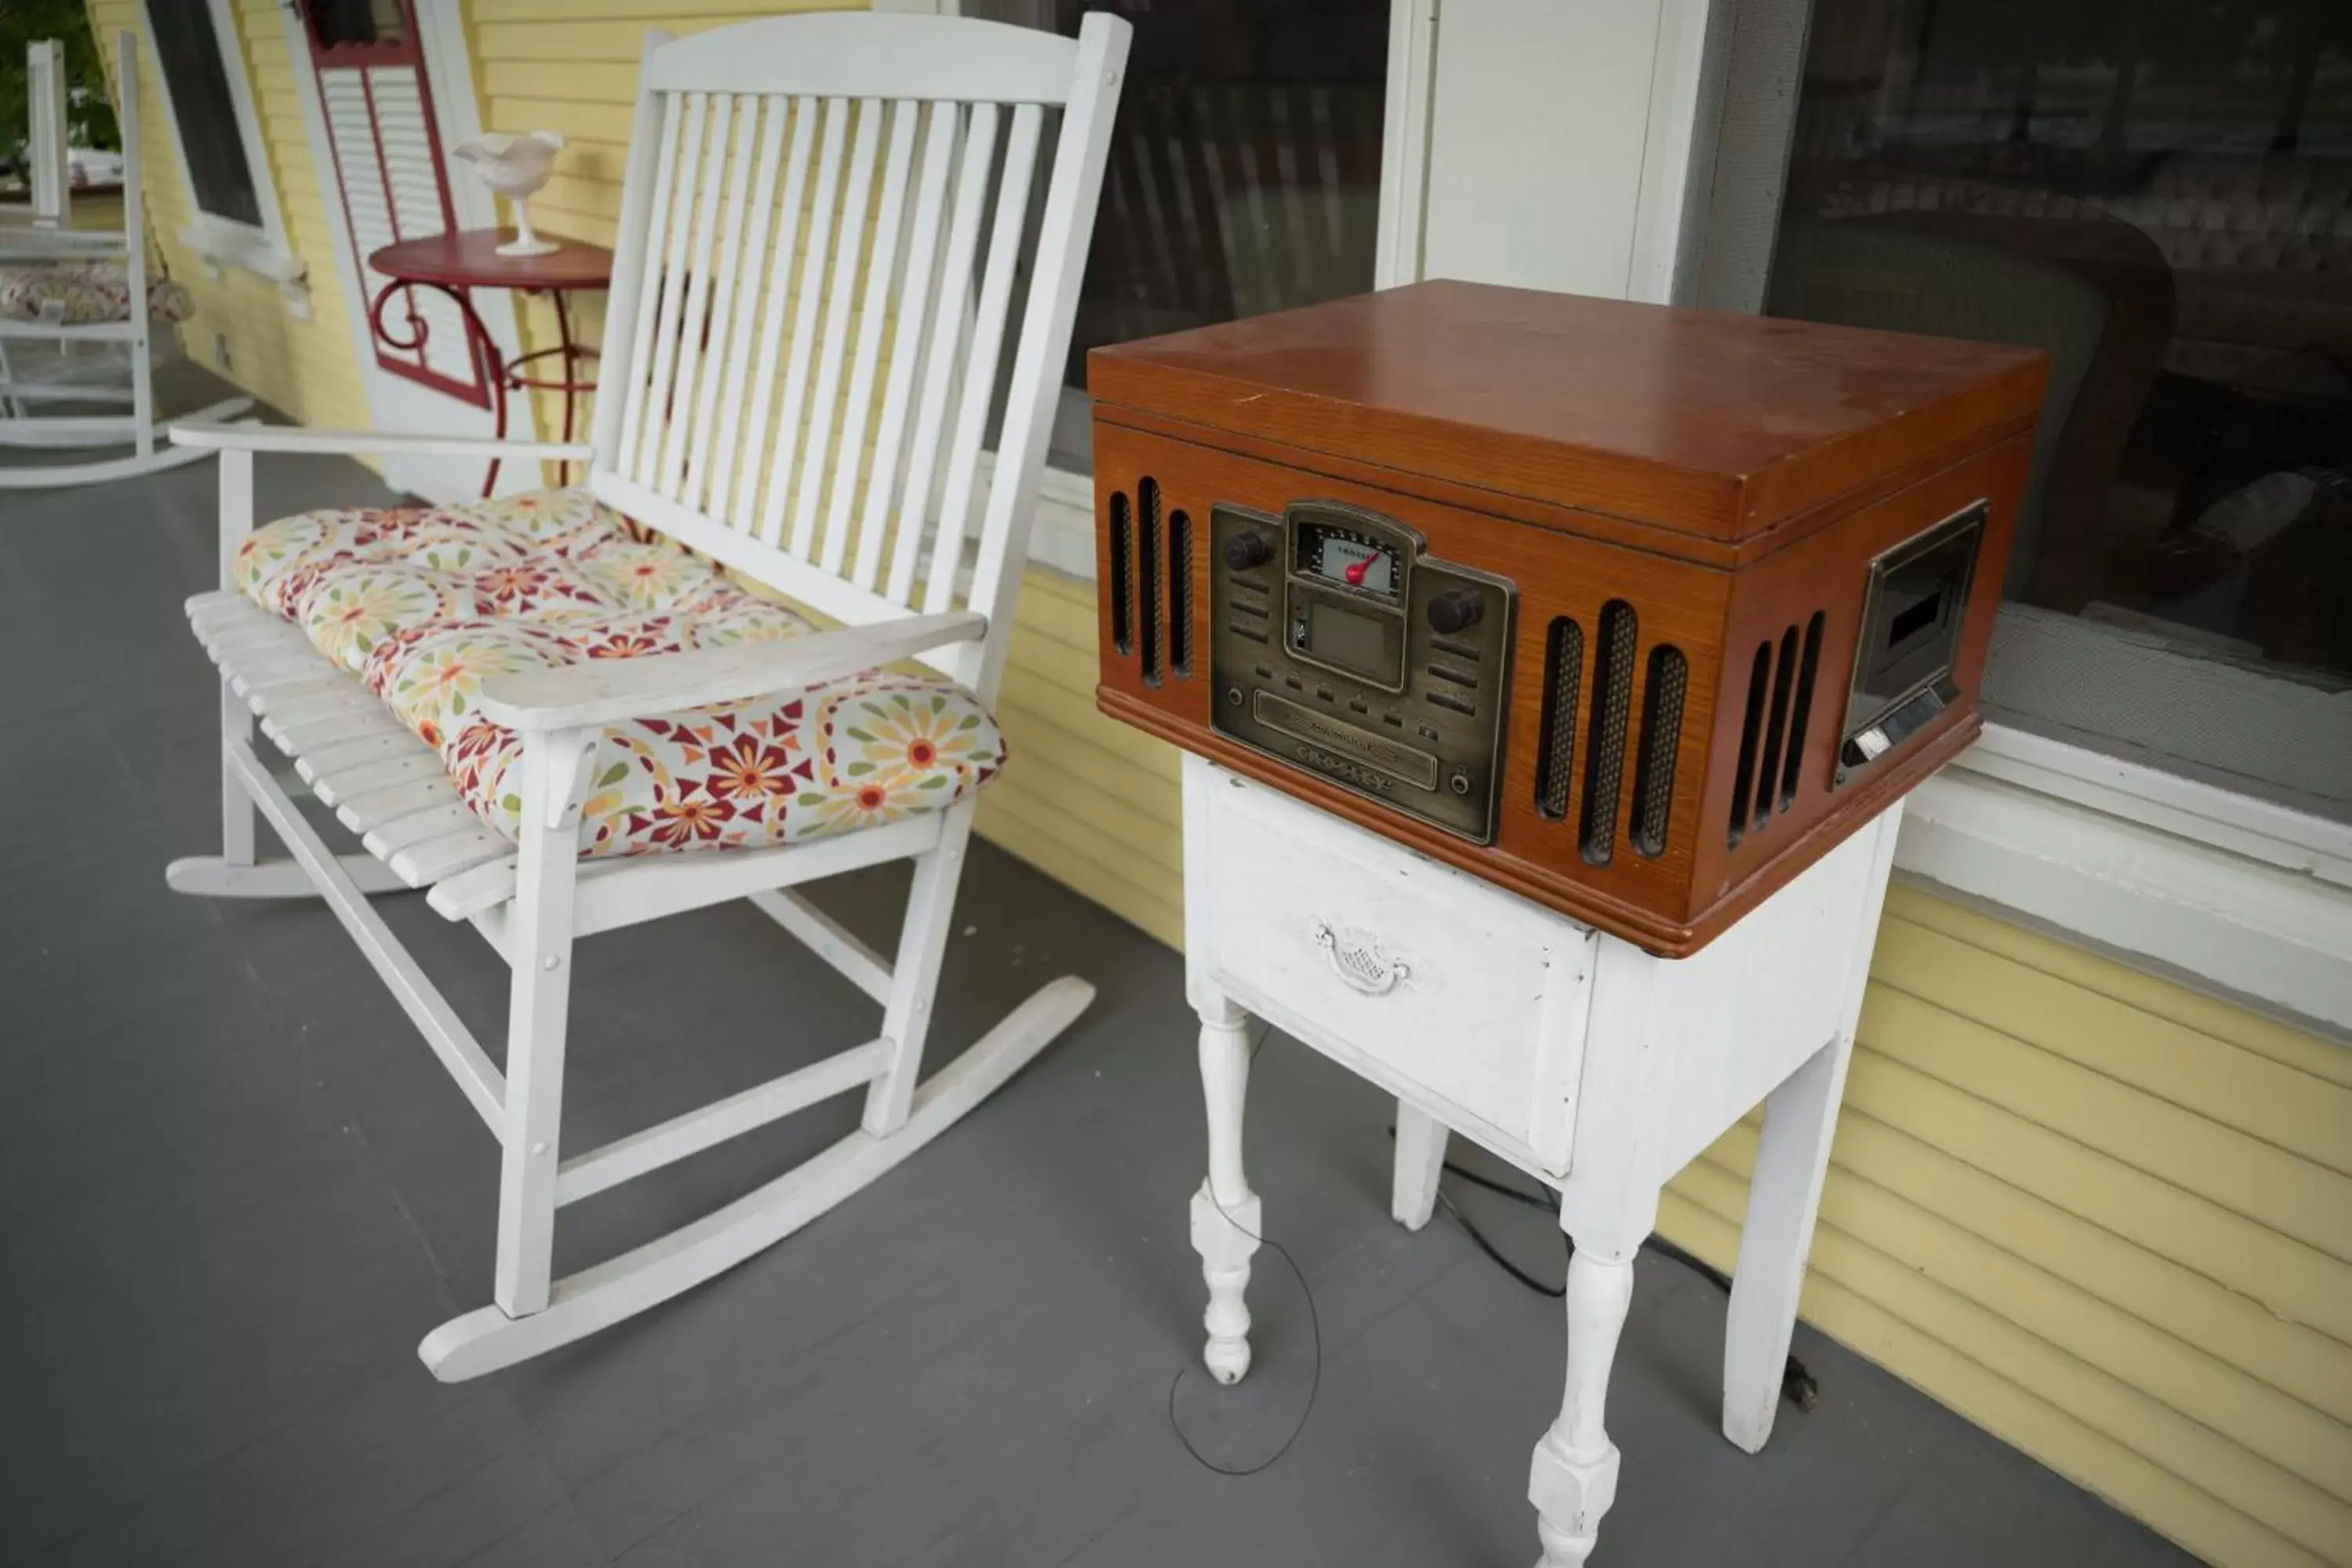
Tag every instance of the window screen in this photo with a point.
(1245, 168)
(188, 53)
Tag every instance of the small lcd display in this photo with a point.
(1359, 642)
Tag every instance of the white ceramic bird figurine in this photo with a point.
(515, 167)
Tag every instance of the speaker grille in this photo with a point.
(1751, 734)
(1122, 572)
(1772, 735)
(1654, 763)
(1808, 667)
(1604, 752)
(1556, 750)
(1179, 592)
(1776, 728)
(1148, 598)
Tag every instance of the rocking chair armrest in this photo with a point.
(604, 690)
(218, 436)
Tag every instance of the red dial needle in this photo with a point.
(1356, 570)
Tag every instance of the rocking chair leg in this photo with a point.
(922, 942)
(539, 999)
(238, 813)
(238, 816)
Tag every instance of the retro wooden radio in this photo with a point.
(1633, 611)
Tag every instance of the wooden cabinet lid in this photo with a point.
(1707, 422)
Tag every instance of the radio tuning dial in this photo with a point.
(1246, 550)
(1455, 609)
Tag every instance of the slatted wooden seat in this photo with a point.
(795, 186)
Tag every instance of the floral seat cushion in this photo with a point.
(78, 293)
(423, 604)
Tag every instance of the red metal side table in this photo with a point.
(457, 263)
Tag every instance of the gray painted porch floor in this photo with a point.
(236, 1190)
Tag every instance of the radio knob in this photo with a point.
(1455, 609)
(1246, 550)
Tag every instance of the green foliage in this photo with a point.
(89, 112)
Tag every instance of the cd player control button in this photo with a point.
(1455, 609)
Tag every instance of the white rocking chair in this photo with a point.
(705, 434)
(45, 360)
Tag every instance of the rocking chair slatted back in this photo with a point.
(820, 244)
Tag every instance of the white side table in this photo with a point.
(1595, 1067)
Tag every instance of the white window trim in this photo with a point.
(2250, 896)
(223, 242)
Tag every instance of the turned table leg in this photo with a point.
(1420, 1162)
(1574, 1478)
(1226, 1223)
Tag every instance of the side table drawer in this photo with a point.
(1413, 972)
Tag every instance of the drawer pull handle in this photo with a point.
(1358, 961)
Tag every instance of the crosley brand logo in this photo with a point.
(1362, 777)
(1396, 763)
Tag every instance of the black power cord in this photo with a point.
(1797, 1385)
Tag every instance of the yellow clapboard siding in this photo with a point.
(621, 41)
(2186, 1512)
(1063, 608)
(2302, 1513)
(585, 118)
(2221, 1020)
(1031, 735)
(583, 81)
(1158, 910)
(2199, 1312)
(304, 366)
(2294, 1281)
(1066, 666)
(2255, 1179)
(1075, 713)
(2305, 1115)
(579, 196)
(2183, 1374)
(1148, 854)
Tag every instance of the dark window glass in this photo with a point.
(341, 24)
(188, 53)
(1244, 169)
(2161, 195)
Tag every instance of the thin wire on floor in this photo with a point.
(1313, 1320)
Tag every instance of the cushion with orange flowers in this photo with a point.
(424, 603)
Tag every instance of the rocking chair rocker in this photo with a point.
(807, 456)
